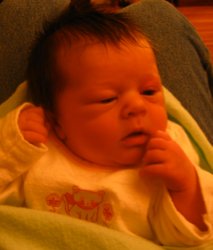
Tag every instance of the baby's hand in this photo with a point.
(165, 160)
(32, 124)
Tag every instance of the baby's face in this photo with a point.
(112, 103)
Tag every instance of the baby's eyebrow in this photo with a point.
(148, 79)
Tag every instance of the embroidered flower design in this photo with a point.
(54, 201)
(107, 212)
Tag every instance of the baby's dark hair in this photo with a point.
(79, 20)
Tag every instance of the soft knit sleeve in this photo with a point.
(16, 154)
(170, 226)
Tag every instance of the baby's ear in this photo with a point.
(55, 125)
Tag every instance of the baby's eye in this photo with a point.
(107, 100)
(149, 92)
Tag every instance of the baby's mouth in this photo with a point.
(135, 138)
(136, 133)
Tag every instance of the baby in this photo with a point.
(96, 143)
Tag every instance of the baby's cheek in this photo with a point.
(161, 120)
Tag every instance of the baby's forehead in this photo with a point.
(85, 44)
(87, 54)
(97, 59)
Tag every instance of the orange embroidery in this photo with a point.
(82, 204)
(54, 201)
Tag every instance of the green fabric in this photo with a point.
(26, 229)
(181, 116)
(22, 228)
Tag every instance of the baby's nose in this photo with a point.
(134, 106)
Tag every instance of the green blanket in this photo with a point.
(26, 229)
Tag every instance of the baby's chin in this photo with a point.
(116, 163)
(122, 159)
(129, 161)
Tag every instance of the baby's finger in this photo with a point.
(161, 134)
(35, 127)
(160, 140)
(155, 169)
(157, 143)
(154, 157)
(32, 117)
(33, 113)
(34, 137)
